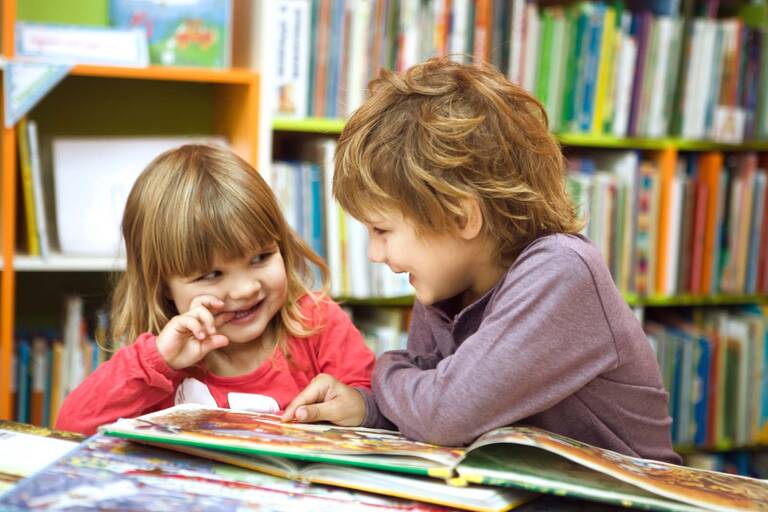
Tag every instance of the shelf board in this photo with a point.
(606, 141)
(167, 73)
(320, 125)
(403, 301)
(632, 300)
(61, 263)
(695, 300)
(317, 125)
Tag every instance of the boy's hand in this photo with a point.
(327, 399)
(187, 338)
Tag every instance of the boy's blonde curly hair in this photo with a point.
(441, 132)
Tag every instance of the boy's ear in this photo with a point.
(471, 221)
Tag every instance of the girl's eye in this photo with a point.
(261, 258)
(379, 231)
(209, 276)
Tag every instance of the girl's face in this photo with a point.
(254, 287)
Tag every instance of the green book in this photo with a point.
(519, 457)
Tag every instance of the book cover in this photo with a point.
(26, 449)
(190, 33)
(491, 459)
(106, 473)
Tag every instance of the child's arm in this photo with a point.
(545, 337)
(341, 394)
(135, 380)
(327, 398)
(144, 375)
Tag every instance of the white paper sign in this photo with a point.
(76, 44)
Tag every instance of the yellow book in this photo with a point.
(25, 164)
(605, 69)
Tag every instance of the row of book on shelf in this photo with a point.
(714, 364)
(599, 67)
(303, 189)
(56, 172)
(697, 225)
(223, 459)
(48, 365)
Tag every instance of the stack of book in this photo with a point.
(224, 458)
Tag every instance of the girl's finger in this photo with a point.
(212, 343)
(210, 302)
(222, 318)
(192, 325)
(205, 317)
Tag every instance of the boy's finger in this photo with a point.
(314, 392)
(316, 412)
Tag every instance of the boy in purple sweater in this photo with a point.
(517, 320)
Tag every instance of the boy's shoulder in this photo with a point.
(562, 248)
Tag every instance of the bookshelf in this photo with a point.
(107, 100)
(664, 134)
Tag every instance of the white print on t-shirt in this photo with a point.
(253, 402)
(192, 391)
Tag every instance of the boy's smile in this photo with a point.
(439, 266)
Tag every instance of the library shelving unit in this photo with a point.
(665, 148)
(106, 100)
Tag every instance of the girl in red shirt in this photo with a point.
(216, 295)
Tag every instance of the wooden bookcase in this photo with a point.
(95, 100)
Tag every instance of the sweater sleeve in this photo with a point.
(543, 338)
(134, 381)
(343, 354)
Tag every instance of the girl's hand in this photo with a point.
(327, 399)
(187, 338)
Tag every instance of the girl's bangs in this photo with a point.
(227, 229)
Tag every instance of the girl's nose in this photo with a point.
(243, 288)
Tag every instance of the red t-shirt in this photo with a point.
(137, 380)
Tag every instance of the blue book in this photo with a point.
(23, 381)
(48, 387)
(592, 63)
(316, 190)
(758, 206)
(702, 362)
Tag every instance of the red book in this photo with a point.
(699, 227)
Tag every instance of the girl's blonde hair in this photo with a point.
(188, 205)
(441, 132)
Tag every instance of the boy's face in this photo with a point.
(439, 266)
(253, 287)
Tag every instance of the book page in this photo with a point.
(260, 433)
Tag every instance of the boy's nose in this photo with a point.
(375, 253)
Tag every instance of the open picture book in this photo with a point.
(108, 473)
(518, 457)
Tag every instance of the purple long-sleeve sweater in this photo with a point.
(553, 345)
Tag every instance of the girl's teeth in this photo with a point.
(241, 314)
